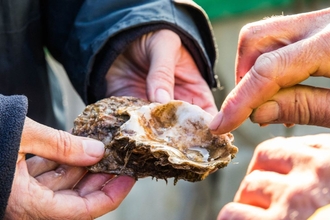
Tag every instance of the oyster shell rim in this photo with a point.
(204, 168)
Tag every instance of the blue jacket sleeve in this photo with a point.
(12, 114)
(86, 36)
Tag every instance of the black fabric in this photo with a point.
(12, 114)
(78, 33)
(22, 61)
(74, 35)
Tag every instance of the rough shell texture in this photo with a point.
(151, 139)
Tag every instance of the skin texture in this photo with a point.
(275, 55)
(54, 184)
(164, 70)
(288, 178)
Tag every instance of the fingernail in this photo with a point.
(216, 122)
(266, 113)
(93, 148)
(162, 96)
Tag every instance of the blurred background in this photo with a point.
(156, 200)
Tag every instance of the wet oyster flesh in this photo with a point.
(152, 139)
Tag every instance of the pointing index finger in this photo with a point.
(253, 90)
(272, 71)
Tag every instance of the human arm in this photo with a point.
(98, 33)
(275, 55)
(288, 178)
(163, 70)
(56, 187)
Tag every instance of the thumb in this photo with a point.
(281, 68)
(59, 146)
(295, 105)
(163, 47)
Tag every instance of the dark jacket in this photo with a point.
(85, 37)
(12, 113)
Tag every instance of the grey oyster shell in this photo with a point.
(144, 139)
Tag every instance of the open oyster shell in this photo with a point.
(152, 139)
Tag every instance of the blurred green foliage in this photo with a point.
(221, 8)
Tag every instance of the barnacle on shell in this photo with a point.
(144, 139)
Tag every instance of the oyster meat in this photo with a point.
(152, 139)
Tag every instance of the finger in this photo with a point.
(253, 43)
(64, 177)
(201, 97)
(124, 78)
(271, 72)
(192, 87)
(92, 182)
(59, 146)
(235, 211)
(38, 165)
(297, 105)
(272, 155)
(265, 36)
(112, 194)
(273, 33)
(281, 155)
(260, 188)
(164, 48)
(90, 206)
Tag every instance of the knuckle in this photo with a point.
(63, 143)
(246, 37)
(323, 41)
(164, 70)
(249, 31)
(307, 107)
(268, 64)
(164, 74)
(319, 111)
(304, 109)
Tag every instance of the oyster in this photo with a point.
(152, 139)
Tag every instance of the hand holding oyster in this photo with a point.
(152, 139)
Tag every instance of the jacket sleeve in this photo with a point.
(12, 114)
(87, 36)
